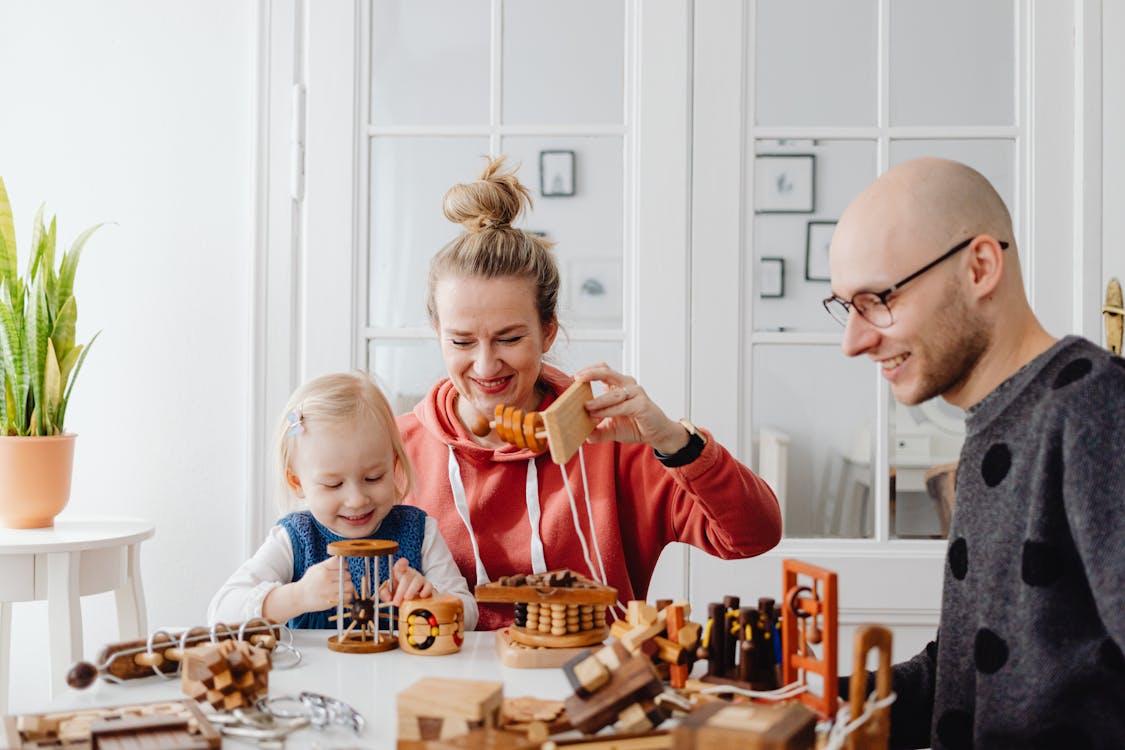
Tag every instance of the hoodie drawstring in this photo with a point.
(462, 503)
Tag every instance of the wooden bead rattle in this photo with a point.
(562, 427)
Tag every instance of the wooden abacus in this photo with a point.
(562, 426)
(362, 612)
(557, 609)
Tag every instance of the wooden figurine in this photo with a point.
(364, 633)
(664, 632)
(434, 708)
(613, 685)
(163, 652)
(172, 725)
(555, 610)
(746, 726)
(739, 644)
(228, 675)
(873, 734)
(563, 426)
(808, 619)
(431, 627)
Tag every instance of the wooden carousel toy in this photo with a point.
(562, 427)
(557, 611)
(431, 627)
(364, 633)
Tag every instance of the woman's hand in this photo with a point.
(626, 414)
(409, 584)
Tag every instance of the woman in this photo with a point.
(492, 298)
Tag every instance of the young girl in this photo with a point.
(341, 457)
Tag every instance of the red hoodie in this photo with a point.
(639, 505)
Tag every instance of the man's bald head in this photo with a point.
(913, 212)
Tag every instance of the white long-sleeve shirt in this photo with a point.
(241, 597)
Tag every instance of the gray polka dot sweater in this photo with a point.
(1029, 648)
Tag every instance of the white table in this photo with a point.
(367, 682)
(76, 557)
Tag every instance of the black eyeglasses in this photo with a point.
(873, 305)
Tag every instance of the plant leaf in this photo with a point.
(62, 330)
(37, 232)
(12, 357)
(69, 265)
(9, 426)
(67, 363)
(38, 333)
(47, 265)
(7, 237)
(73, 377)
(51, 389)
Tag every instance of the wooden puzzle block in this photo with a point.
(434, 708)
(562, 427)
(746, 726)
(227, 675)
(632, 679)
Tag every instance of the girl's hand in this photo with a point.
(409, 584)
(320, 586)
(626, 414)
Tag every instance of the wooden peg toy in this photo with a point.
(557, 609)
(873, 734)
(562, 427)
(432, 627)
(364, 632)
(227, 675)
(739, 644)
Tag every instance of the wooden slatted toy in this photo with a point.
(562, 427)
(364, 633)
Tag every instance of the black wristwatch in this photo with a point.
(688, 453)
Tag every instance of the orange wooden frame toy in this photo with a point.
(809, 615)
(563, 426)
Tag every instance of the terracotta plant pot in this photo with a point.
(34, 479)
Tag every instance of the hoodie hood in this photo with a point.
(437, 414)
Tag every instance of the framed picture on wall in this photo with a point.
(785, 184)
(556, 174)
(818, 235)
(771, 277)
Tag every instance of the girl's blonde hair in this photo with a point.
(338, 396)
(491, 247)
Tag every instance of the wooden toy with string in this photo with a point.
(809, 618)
(562, 427)
(364, 633)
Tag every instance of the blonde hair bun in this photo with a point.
(493, 201)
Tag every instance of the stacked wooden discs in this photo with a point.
(520, 429)
(557, 609)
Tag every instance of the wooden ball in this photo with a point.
(480, 426)
(81, 675)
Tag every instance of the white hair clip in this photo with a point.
(296, 422)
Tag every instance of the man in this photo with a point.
(926, 280)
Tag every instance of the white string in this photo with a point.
(578, 526)
(843, 727)
(594, 530)
(792, 690)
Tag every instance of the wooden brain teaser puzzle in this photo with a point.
(556, 609)
(228, 675)
(174, 725)
(562, 426)
(437, 709)
(431, 627)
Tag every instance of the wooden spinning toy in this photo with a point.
(431, 627)
(562, 426)
(557, 609)
(228, 675)
(364, 632)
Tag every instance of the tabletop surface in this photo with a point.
(367, 682)
(72, 533)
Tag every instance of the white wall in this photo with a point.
(141, 113)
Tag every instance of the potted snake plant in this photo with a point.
(39, 361)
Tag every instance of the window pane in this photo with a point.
(429, 73)
(409, 176)
(587, 226)
(995, 159)
(815, 62)
(952, 63)
(925, 444)
(782, 169)
(564, 62)
(818, 406)
(570, 355)
(405, 370)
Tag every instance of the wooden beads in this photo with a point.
(560, 619)
(523, 430)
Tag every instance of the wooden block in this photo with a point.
(643, 741)
(689, 634)
(640, 613)
(633, 681)
(586, 674)
(485, 738)
(453, 706)
(567, 422)
(747, 726)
